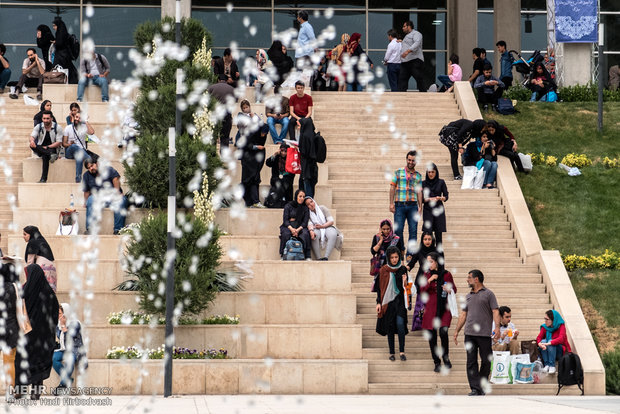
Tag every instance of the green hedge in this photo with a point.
(577, 93)
(611, 360)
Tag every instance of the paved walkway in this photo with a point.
(312, 404)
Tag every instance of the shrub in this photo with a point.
(192, 33)
(611, 360)
(576, 160)
(518, 92)
(119, 352)
(588, 92)
(198, 255)
(611, 163)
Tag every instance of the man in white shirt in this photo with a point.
(74, 140)
(392, 60)
(507, 333)
(95, 69)
(32, 74)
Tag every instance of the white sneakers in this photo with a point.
(551, 370)
(548, 370)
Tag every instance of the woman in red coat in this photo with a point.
(552, 340)
(439, 284)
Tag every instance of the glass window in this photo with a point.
(120, 64)
(434, 64)
(19, 23)
(485, 4)
(612, 29)
(226, 27)
(342, 4)
(16, 55)
(610, 5)
(115, 25)
(235, 3)
(485, 31)
(537, 38)
(431, 25)
(344, 21)
(124, 2)
(533, 4)
(407, 4)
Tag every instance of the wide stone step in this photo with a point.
(449, 252)
(92, 93)
(517, 297)
(107, 247)
(253, 221)
(451, 239)
(497, 285)
(460, 388)
(259, 247)
(464, 265)
(313, 341)
(61, 171)
(255, 307)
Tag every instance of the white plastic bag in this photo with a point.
(514, 359)
(454, 308)
(473, 178)
(30, 101)
(499, 370)
(526, 160)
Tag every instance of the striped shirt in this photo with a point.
(407, 185)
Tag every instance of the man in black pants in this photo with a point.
(489, 88)
(44, 141)
(223, 92)
(481, 310)
(411, 59)
(463, 130)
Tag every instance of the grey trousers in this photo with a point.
(332, 236)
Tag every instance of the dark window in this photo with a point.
(226, 27)
(235, 3)
(407, 4)
(115, 25)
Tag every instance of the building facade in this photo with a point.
(448, 26)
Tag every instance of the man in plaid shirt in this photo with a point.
(406, 199)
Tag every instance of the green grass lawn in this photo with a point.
(577, 215)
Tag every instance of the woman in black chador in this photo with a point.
(63, 52)
(295, 223)
(434, 213)
(45, 39)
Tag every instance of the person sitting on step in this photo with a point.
(295, 223)
(323, 232)
(508, 333)
(74, 141)
(45, 140)
(552, 341)
(95, 68)
(489, 88)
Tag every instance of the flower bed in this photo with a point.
(120, 352)
(131, 317)
(607, 260)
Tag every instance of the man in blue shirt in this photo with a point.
(103, 189)
(506, 60)
(305, 41)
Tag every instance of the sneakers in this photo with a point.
(437, 367)
(545, 370)
(258, 205)
(485, 108)
(39, 97)
(551, 370)
(447, 363)
(392, 358)
(13, 96)
(53, 158)
(458, 177)
(403, 357)
(43, 180)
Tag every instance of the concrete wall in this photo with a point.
(575, 62)
(507, 27)
(168, 8)
(463, 30)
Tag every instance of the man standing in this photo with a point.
(5, 72)
(225, 94)
(32, 74)
(489, 88)
(95, 69)
(506, 60)
(74, 140)
(44, 141)
(412, 59)
(104, 189)
(305, 41)
(392, 60)
(300, 106)
(507, 333)
(480, 312)
(406, 199)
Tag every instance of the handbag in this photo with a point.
(530, 348)
(293, 165)
(22, 313)
(67, 223)
(57, 75)
(94, 157)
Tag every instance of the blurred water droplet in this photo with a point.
(246, 21)
(90, 10)
(229, 7)
(329, 13)
(252, 30)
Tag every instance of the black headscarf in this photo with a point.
(42, 307)
(38, 118)
(425, 251)
(10, 334)
(37, 244)
(44, 43)
(476, 128)
(300, 209)
(434, 185)
(440, 272)
(281, 61)
(62, 35)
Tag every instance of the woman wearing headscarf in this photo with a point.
(427, 246)
(435, 194)
(437, 284)
(45, 106)
(323, 232)
(70, 351)
(505, 143)
(258, 78)
(281, 62)
(380, 243)
(391, 310)
(39, 251)
(35, 364)
(45, 39)
(9, 334)
(552, 341)
(540, 82)
(354, 49)
(307, 156)
(252, 136)
(281, 183)
(337, 60)
(295, 223)
(455, 135)
(62, 54)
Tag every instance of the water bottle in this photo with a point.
(444, 294)
(72, 203)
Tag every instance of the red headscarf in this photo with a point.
(354, 41)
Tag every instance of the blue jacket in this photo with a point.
(506, 65)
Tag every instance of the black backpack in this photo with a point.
(570, 371)
(74, 47)
(504, 107)
(321, 148)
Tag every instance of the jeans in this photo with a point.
(64, 371)
(271, 121)
(477, 344)
(445, 79)
(5, 76)
(400, 327)
(445, 347)
(393, 69)
(119, 206)
(551, 354)
(406, 211)
(490, 171)
(74, 151)
(100, 81)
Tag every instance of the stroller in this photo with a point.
(526, 67)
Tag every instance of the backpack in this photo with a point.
(74, 47)
(293, 250)
(570, 371)
(321, 148)
(504, 107)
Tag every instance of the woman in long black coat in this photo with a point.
(42, 307)
(435, 194)
(63, 53)
(505, 143)
(9, 335)
(307, 156)
(281, 62)
(45, 39)
(295, 223)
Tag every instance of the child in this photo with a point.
(455, 73)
